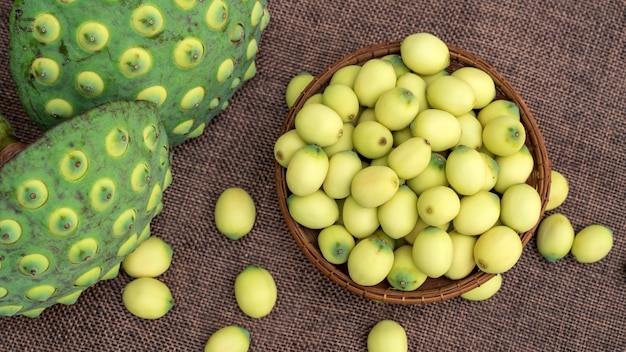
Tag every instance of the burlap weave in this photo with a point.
(566, 58)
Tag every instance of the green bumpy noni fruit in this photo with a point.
(188, 58)
(78, 200)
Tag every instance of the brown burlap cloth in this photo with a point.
(566, 58)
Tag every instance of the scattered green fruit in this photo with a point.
(151, 258)
(147, 298)
(592, 243)
(520, 207)
(255, 291)
(424, 53)
(295, 87)
(387, 336)
(234, 213)
(484, 291)
(555, 237)
(231, 338)
(559, 189)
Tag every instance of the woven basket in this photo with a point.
(433, 290)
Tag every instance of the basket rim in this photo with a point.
(454, 288)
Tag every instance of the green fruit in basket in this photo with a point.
(520, 207)
(318, 124)
(404, 275)
(433, 251)
(497, 249)
(315, 98)
(492, 172)
(497, 108)
(477, 213)
(433, 175)
(374, 185)
(67, 57)
(410, 158)
(335, 243)
(230, 338)
(504, 135)
(398, 64)
(401, 136)
(74, 203)
(372, 139)
(592, 243)
(344, 143)
(296, 86)
(438, 205)
(387, 336)
(370, 261)
(307, 170)
(286, 145)
(375, 77)
(151, 258)
(234, 213)
(513, 169)
(416, 85)
(450, 94)
(441, 129)
(315, 211)
(471, 131)
(366, 114)
(431, 78)
(424, 53)
(341, 169)
(396, 108)
(360, 221)
(343, 100)
(465, 170)
(398, 215)
(559, 188)
(555, 236)
(485, 290)
(147, 298)
(463, 256)
(255, 291)
(481, 82)
(345, 75)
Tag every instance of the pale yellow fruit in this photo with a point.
(401, 136)
(438, 205)
(440, 128)
(497, 250)
(463, 256)
(520, 207)
(465, 170)
(286, 145)
(559, 189)
(318, 124)
(492, 172)
(367, 114)
(504, 135)
(343, 100)
(387, 336)
(513, 169)
(230, 338)
(307, 170)
(313, 99)
(433, 175)
(450, 94)
(335, 243)
(372, 139)
(374, 185)
(370, 261)
(477, 213)
(375, 77)
(555, 237)
(433, 251)
(431, 78)
(296, 86)
(147, 298)
(410, 158)
(471, 131)
(151, 258)
(359, 221)
(424, 53)
(482, 84)
(344, 142)
(255, 291)
(592, 243)
(396, 108)
(498, 108)
(345, 75)
(341, 169)
(398, 215)
(416, 85)
(315, 211)
(404, 275)
(485, 290)
(234, 213)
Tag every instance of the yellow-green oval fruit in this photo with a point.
(343, 100)
(492, 172)
(151, 258)
(147, 298)
(592, 243)
(359, 221)
(307, 170)
(484, 291)
(465, 170)
(398, 215)
(450, 94)
(438, 205)
(463, 256)
(375, 77)
(335, 243)
(370, 261)
(504, 135)
(513, 169)
(255, 291)
(398, 64)
(341, 169)
(315, 98)
(374, 185)
(396, 108)
(431, 78)
(286, 145)
(441, 129)
(416, 85)
(555, 237)
(419, 226)
(231, 338)
(497, 250)
(559, 188)
(366, 114)
(345, 75)
(372, 139)
(477, 213)
(404, 275)
(496, 108)
(424, 53)
(235, 213)
(318, 124)
(410, 158)
(296, 86)
(433, 175)
(315, 211)
(520, 207)
(471, 131)
(433, 251)
(387, 336)
(401, 136)
(344, 143)
(482, 84)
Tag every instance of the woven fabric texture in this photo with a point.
(565, 58)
